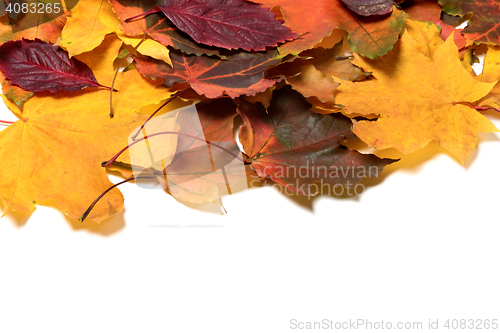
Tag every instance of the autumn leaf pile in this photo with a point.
(303, 77)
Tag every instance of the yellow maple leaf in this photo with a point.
(418, 100)
(149, 47)
(491, 73)
(87, 25)
(426, 34)
(55, 149)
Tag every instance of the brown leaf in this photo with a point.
(369, 7)
(297, 148)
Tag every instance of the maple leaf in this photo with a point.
(157, 26)
(426, 34)
(289, 141)
(430, 11)
(491, 74)
(484, 25)
(242, 73)
(315, 19)
(39, 66)
(55, 149)
(419, 99)
(100, 19)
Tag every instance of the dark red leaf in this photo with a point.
(39, 66)
(297, 148)
(241, 74)
(369, 7)
(230, 24)
(157, 26)
(484, 26)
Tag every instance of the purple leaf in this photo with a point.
(369, 7)
(38, 66)
(230, 24)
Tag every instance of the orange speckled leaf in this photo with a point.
(315, 19)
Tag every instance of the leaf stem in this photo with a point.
(151, 11)
(111, 111)
(483, 108)
(6, 122)
(112, 160)
(87, 212)
(180, 92)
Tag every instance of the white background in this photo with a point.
(422, 242)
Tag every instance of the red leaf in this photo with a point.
(296, 148)
(39, 66)
(157, 26)
(230, 24)
(484, 26)
(241, 74)
(369, 7)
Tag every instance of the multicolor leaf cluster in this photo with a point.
(304, 79)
